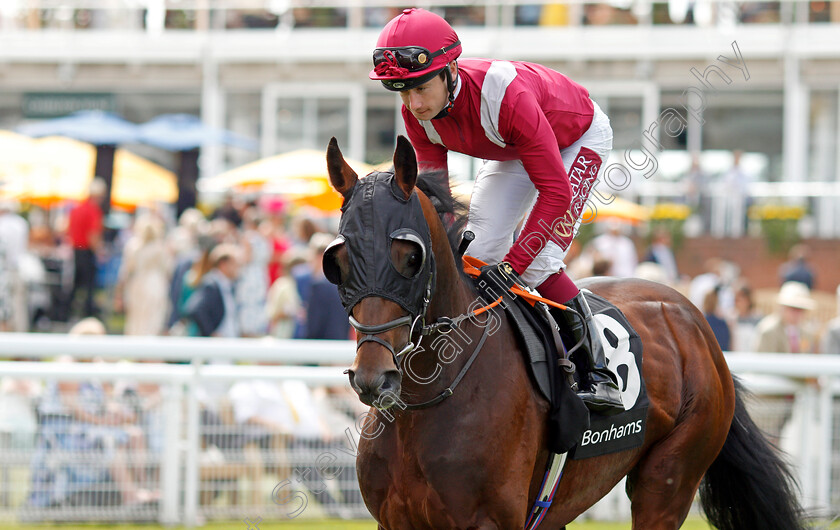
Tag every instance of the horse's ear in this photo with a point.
(405, 166)
(342, 176)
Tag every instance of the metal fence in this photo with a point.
(159, 442)
(187, 443)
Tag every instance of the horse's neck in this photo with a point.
(434, 368)
(453, 294)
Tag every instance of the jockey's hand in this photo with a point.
(499, 277)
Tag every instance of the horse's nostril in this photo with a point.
(352, 376)
(393, 377)
(390, 383)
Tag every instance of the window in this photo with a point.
(822, 136)
(307, 115)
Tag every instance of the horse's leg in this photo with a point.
(663, 484)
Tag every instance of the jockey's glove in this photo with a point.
(499, 277)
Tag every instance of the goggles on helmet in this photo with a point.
(412, 58)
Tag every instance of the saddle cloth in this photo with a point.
(572, 427)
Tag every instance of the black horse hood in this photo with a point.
(375, 214)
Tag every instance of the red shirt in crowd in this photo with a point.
(279, 245)
(85, 220)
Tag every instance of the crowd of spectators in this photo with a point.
(242, 271)
(252, 269)
(247, 269)
(91, 434)
(99, 443)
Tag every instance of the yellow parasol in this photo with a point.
(55, 169)
(17, 155)
(619, 209)
(63, 171)
(298, 175)
(138, 181)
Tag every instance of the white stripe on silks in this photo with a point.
(431, 133)
(499, 76)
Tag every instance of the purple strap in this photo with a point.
(540, 508)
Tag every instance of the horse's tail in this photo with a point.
(748, 484)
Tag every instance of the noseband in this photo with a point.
(371, 331)
(442, 325)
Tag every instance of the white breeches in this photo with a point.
(503, 194)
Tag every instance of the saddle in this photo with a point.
(573, 429)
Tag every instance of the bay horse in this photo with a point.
(473, 457)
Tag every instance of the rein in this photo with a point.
(472, 268)
(449, 324)
(442, 325)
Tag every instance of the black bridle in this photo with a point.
(417, 323)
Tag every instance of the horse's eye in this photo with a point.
(406, 257)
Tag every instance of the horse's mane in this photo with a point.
(452, 212)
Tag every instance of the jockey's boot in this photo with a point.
(603, 396)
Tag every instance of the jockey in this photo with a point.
(543, 141)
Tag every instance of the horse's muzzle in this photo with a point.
(377, 389)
